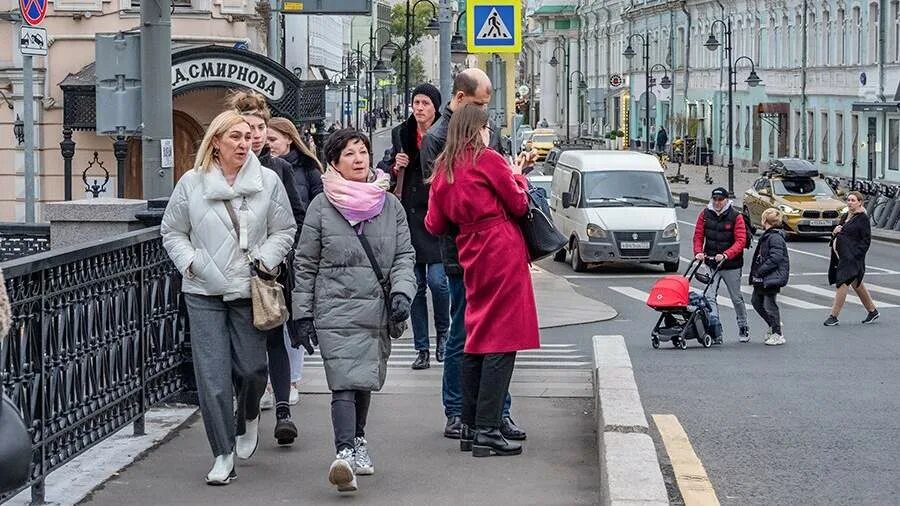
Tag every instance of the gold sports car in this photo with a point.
(810, 206)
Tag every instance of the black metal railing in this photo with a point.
(97, 338)
(20, 239)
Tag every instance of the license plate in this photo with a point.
(634, 245)
(821, 223)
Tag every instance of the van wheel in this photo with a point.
(671, 266)
(560, 255)
(577, 264)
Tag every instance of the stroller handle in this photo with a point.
(695, 264)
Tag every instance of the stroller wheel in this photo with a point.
(706, 341)
(655, 343)
(682, 344)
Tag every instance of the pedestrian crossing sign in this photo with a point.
(494, 26)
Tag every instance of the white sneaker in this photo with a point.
(245, 444)
(267, 401)
(294, 399)
(364, 464)
(775, 340)
(341, 473)
(222, 472)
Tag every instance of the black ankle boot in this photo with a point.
(285, 430)
(421, 361)
(489, 442)
(465, 438)
(439, 348)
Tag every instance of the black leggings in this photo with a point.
(763, 301)
(349, 410)
(485, 381)
(279, 366)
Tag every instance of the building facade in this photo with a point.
(829, 70)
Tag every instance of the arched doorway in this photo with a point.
(187, 134)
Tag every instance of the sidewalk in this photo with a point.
(700, 191)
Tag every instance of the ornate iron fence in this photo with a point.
(98, 337)
(20, 239)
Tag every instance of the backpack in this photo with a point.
(750, 229)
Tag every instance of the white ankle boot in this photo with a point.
(222, 471)
(245, 445)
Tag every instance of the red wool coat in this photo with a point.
(500, 311)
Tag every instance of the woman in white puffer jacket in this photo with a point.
(203, 244)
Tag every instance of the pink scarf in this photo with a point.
(357, 202)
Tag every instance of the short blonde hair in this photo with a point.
(772, 216)
(219, 126)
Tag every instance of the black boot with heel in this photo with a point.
(465, 438)
(490, 441)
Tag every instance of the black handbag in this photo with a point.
(395, 329)
(15, 448)
(541, 237)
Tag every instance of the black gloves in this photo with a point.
(303, 333)
(399, 307)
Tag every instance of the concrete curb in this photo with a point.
(876, 233)
(629, 467)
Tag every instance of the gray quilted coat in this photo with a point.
(336, 286)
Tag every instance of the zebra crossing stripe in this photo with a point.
(853, 299)
(883, 289)
(788, 301)
(632, 292)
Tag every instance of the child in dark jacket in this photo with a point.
(769, 273)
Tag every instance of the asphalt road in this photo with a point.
(814, 421)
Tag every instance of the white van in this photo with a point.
(615, 206)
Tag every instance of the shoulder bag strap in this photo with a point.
(378, 273)
(234, 220)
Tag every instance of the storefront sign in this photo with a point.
(221, 70)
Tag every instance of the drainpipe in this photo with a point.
(608, 61)
(803, 98)
(687, 61)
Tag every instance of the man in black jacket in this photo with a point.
(471, 86)
(408, 183)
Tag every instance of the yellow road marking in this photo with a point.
(694, 484)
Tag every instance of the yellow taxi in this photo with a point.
(795, 187)
(542, 141)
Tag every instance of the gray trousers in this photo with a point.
(229, 356)
(732, 279)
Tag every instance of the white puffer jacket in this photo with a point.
(201, 241)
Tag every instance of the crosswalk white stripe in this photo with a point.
(396, 345)
(790, 301)
(519, 364)
(853, 299)
(632, 292)
(883, 289)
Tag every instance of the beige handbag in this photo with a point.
(266, 293)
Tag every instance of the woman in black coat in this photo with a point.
(849, 245)
(285, 143)
(769, 272)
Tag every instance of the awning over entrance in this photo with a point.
(207, 67)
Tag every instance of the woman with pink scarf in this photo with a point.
(341, 304)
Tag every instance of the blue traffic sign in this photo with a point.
(494, 26)
(33, 11)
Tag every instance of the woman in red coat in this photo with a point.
(476, 192)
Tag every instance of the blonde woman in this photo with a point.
(200, 238)
(769, 272)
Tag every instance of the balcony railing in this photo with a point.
(98, 336)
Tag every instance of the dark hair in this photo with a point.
(463, 139)
(338, 140)
(465, 83)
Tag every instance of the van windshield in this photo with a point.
(617, 188)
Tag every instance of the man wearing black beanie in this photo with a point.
(403, 162)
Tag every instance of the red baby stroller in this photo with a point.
(684, 315)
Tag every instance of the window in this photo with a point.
(810, 136)
(826, 36)
(812, 40)
(854, 148)
(747, 129)
(873, 30)
(839, 144)
(575, 188)
(856, 30)
(797, 134)
(824, 137)
(78, 5)
(761, 184)
(893, 162)
(737, 126)
(802, 186)
(840, 31)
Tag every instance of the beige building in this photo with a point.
(198, 90)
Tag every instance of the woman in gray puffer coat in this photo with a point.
(338, 300)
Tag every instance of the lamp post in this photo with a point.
(752, 81)
(629, 53)
(553, 63)
(459, 51)
(432, 27)
(582, 87)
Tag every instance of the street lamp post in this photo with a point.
(432, 26)
(753, 81)
(582, 87)
(553, 63)
(629, 53)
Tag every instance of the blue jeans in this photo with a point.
(430, 276)
(453, 352)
